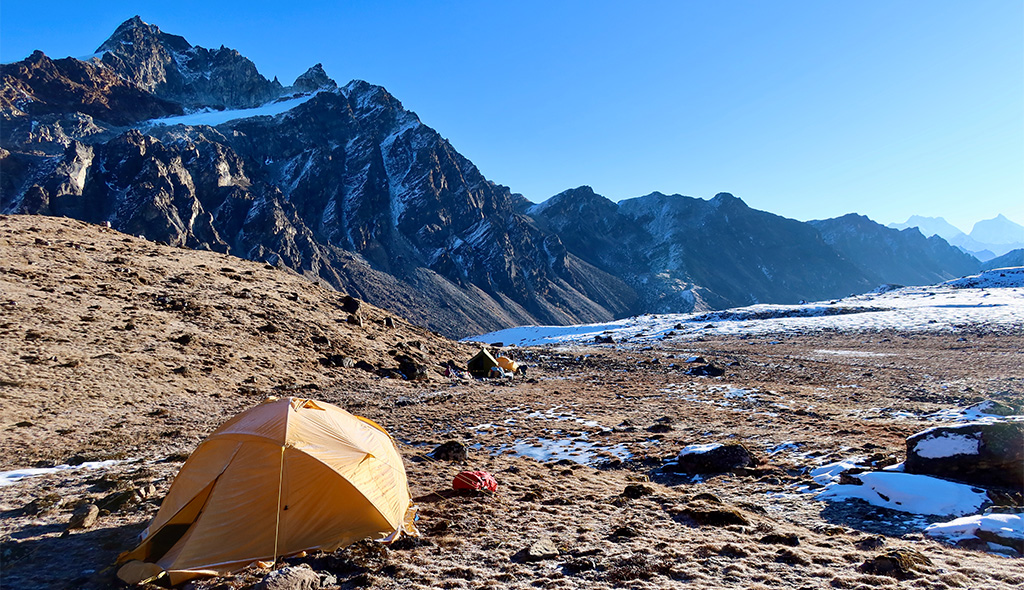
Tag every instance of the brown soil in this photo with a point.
(77, 383)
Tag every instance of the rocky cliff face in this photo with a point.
(169, 67)
(349, 188)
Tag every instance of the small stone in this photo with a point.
(541, 550)
(84, 516)
(355, 320)
(389, 322)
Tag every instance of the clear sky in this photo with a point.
(807, 109)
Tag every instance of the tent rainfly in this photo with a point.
(286, 476)
(480, 365)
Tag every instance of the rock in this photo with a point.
(871, 543)
(84, 516)
(183, 340)
(708, 370)
(350, 304)
(898, 563)
(541, 550)
(389, 322)
(365, 366)
(976, 454)
(711, 515)
(718, 459)
(355, 320)
(788, 539)
(44, 504)
(410, 368)
(993, 408)
(450, 451)
(634, 491)
(625, 532)
(599, 339)
(659, 428)
(299, 577)
(338, 360)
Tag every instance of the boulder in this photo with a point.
(708, 370)
(299, 577)
(710, 459)
(976, 454)
(450, 451)
(350, 304)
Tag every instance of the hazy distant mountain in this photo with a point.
(347, 187)
(998, 230)
(988, 239)
(930, 226)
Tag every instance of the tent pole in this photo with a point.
(277, 520)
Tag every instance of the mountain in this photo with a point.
(988, 238)
(681, 253)
(193, 147)
(347, 187)
(1011, 258)
(887, 255)
(930, 226)
(999, 231)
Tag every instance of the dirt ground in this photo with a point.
(114, 348)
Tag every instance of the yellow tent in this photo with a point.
(508, 364)
(286, 476)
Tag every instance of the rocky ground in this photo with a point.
(115, 348)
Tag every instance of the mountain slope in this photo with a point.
(887, 255)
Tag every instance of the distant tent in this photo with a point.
(507, 364)
(286, 476)
(480, 365)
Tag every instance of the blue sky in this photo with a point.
(806, 109)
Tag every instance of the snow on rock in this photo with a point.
(946, 444)
(916, 494)
(212, 117)
(978, 453)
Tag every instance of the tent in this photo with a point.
(508, 365)
(480, 365)
(286, 476)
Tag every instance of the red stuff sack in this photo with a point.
(475, 480)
